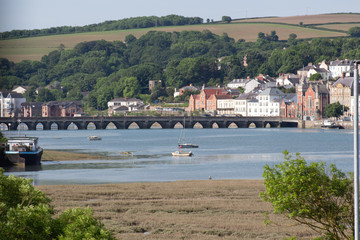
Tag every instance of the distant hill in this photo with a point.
(305, 27)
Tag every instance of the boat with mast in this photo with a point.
(183, 142)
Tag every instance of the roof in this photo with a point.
(338, 62)
(346, 81)
(63, 103)
(7, 94)
(214, 91)
(272, 91)
(227, 96)
(190, 88)
(125, 100)
(247, 96)
(32, 104)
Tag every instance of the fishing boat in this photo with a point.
(94, 138)
(183, 142)
(181, 153)
(23, 151)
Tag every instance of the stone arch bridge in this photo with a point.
(146, 122)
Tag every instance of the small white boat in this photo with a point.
(182, 154)
(93, 138)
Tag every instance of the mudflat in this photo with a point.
(207, 209)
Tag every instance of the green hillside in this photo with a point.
(35, 47)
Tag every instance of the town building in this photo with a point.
(206, 100)
(287, 80)
(241, 103)
(61, 108)
(122, 105)
(288, 106)
(312, 99)
(10, 104)
(339, 68)
(225, 104)
(342, 91)
(20, 89)
(31, 109)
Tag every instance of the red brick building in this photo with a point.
(312, 100)
(61, 109)
(206, 100)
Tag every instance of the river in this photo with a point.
(235, 153)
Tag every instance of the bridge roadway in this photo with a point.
(145, 122)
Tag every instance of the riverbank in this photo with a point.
(208, 209)
(53, 155)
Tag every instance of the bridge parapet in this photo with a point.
(145, 122)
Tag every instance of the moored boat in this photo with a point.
(187, 145)
(23, 151)
(94, 138)
(181, 153)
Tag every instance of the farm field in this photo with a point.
(34, 48)
(309, 19)
(342, 27)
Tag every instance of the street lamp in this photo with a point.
(19, 122)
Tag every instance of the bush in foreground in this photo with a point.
(25, 213)
(311, 194)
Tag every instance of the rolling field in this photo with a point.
(34, 48)
(310, 19)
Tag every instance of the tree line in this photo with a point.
(102, 70)
(122, 24)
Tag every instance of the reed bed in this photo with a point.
(212, 209)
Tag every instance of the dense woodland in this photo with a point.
(107, 70)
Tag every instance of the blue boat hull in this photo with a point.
(26, 158)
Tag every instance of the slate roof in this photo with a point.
(346, 81)
(272, 92)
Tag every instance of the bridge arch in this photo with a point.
(111, 125)
(231, 125)
(177, 125)
(90, 126)
(72, 126)
(215, 125)
(156, 125)
(252, 125)
(4, 127)
(197, 125)
(132, 125)
(39, 126)
(23, 126)
(54, 126)
(271, 125)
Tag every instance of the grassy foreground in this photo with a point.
(210, 209)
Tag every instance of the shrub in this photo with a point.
(311, 194)
(25, 213)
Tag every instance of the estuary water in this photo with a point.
(234, 153)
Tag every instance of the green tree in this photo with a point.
(315, 77)
(311, 194)
(354, 32)
(45, 95)
(335, 110)
(25, 213)
(131, 87)
(226, 19)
